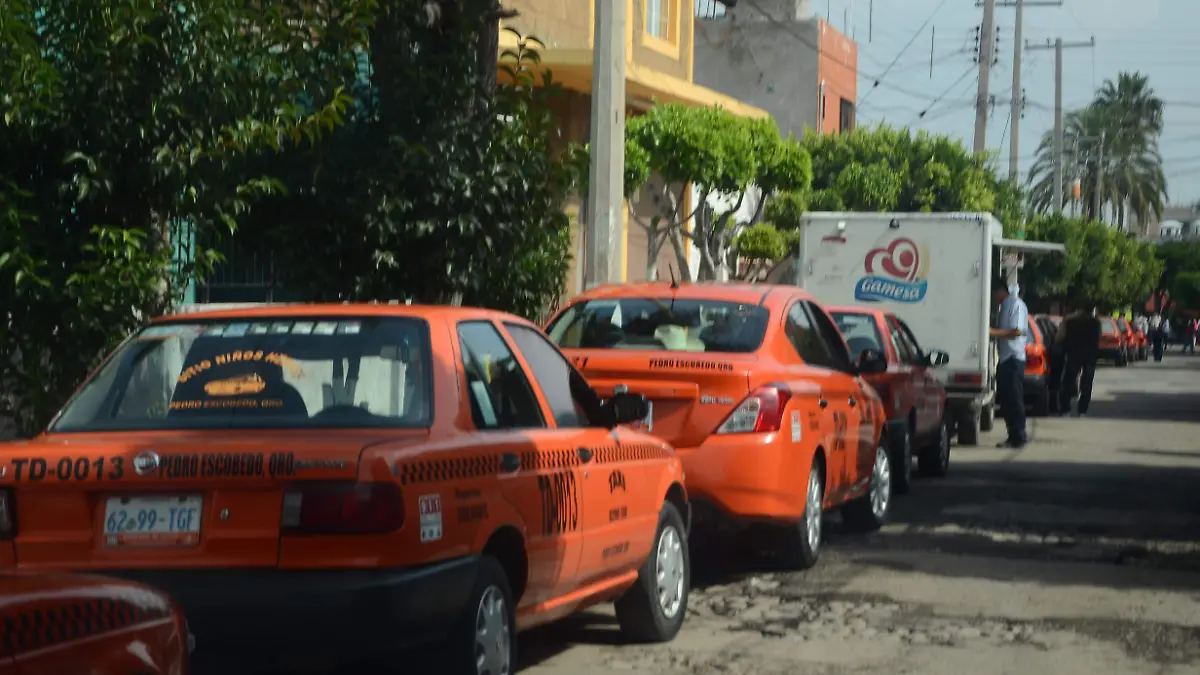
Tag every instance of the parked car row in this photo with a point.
(338, 480)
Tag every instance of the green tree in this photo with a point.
(435, 189)
(887, 169)
(1185, 291)
(1129, 116)
(673, 147)
(760, 245)
(118, 120)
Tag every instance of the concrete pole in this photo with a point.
(1014, 157)
(986, 47)
(1058, 126)
(1099, 179)
(604, 253)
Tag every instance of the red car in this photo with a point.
(1130, 339)
(909, 389)
(65, 623)
(1112, 342)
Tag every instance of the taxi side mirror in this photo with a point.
(937, 358)
(626, 408)
(871, 362)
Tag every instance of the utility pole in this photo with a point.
(1057, 46)
(986, 47)
(604, 260)
(1099, 178)
(1018, 97)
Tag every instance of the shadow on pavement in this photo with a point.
(1145, 406)
(1118, 515)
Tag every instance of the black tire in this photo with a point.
(902, 465)
(797, 550)
(462, 646)
(640, 613)
(869, 512)
(969, 426)
(987, 417)
(934, 461)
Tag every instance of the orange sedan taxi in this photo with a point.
(1037, 371)
(332, 481)
(62, 623)
(755, 388)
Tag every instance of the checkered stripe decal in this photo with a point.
(630, 453)
(559, 458)
(439, 470)
(34, 629)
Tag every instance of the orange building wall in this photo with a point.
(838, 66)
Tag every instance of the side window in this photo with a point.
(911, 340)
(552, 372)
(498, 390)
(908, 354)
(805, 339)
(831, 337)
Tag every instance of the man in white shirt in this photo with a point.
(1012, 324)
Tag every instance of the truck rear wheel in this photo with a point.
(987, 417)
(969, 425)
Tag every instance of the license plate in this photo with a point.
(153, 521)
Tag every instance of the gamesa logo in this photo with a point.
(896, 272)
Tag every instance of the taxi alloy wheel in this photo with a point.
(653, 609)
(493, 634)
(870, 511)
(800, 544)
(935, 460)
(484, 639)
(812, 511)
(903, 465)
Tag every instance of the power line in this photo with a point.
(908, 44)
(966, 73)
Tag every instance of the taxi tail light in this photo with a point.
(8, 520)
(1034, 360)
(343, 508)
(760, 412)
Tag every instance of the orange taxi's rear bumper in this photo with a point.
(746, 477)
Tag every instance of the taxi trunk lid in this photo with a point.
(178, 499)
(690, 393)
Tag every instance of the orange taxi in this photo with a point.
(1113, 345)
(1037, 370)
(756, 389)
(316, 482)
(61, 623)
(1130, 338)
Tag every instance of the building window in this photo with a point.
(658, 18)
(846, 116)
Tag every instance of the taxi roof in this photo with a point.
(446, 312)
(729, 291)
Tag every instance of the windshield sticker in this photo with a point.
(349, 328)
(896, 273)
(236, 386)
(691, 364)
(237, 330)
(325, 328)
(214, 331)
(260, 329)
(303, 328)
(281, 327)
(275, 358)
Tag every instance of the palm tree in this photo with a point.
(1129, 116)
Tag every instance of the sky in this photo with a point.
(1158, 38)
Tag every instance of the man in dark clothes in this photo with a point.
(1080, 338)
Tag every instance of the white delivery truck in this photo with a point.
(934, 271)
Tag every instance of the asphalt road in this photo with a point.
(1078, 554)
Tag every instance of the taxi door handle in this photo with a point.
(585, 455)
(853, 401)
(823, 403)
(509, 462)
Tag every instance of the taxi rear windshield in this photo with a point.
(277, 373)
(683, 325)
(861, 332)
(1108, 327)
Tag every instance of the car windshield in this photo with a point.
(679, 325)
(266, 373)
(861, 332)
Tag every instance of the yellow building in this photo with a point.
(658, 68)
